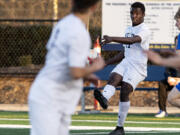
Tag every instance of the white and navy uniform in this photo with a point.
(133, 67)
(54, 93)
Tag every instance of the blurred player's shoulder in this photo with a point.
(72, 24)
(68, 30)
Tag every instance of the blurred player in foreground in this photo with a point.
(132, 69)
(174, 61)
(57, 88)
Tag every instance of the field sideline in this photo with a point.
(17, 123)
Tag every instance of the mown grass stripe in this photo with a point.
(101, 121)
(99, 128)
(106, 133)
(126, 128)
(138, 122)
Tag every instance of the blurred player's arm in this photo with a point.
(77, 72)
(92, 78)
(123, 40)
(115, 59)
(157, 59)
(167, 53)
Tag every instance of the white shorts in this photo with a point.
(46, 120)
(129, 73)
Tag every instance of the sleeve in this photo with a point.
(144, 34)
(78, 51)
(178, 43)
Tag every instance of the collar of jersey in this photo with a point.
(138, 25)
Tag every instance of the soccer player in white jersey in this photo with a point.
(173, 61)
(58, 86)
(133, 67)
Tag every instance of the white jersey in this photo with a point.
(134, 53)
(68, 46)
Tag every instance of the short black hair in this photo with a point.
(81, 6)
(138, 5)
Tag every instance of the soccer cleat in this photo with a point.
(101, 99)
(118, 131)
(161, 114)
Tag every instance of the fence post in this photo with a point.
(55, 10)
(83, 102)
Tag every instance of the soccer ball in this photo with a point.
(92, 55)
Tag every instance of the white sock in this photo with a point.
(108, 91)
(123, 111)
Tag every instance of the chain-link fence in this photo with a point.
(22, 44)
(23, 39)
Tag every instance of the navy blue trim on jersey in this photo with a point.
(178, 44)
(178, 87)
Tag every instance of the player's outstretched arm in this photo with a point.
(123, 40)
(97, 64)
(157, 59)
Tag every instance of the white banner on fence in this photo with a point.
(159, 18)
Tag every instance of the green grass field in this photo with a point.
(96, 124)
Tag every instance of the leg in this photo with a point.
(131, 79)
(115, 79)
(162, 98)
(124, 105)
(113, 82)
(126, 89)
(109, 90)
(174, 97)
(162, 95)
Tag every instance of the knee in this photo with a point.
(124, 96)
(126, 89)
(115, 79)
(113, 83)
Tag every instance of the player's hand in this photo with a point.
(106, 39)
(92, 78)
(98, 63)
(154, 57)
